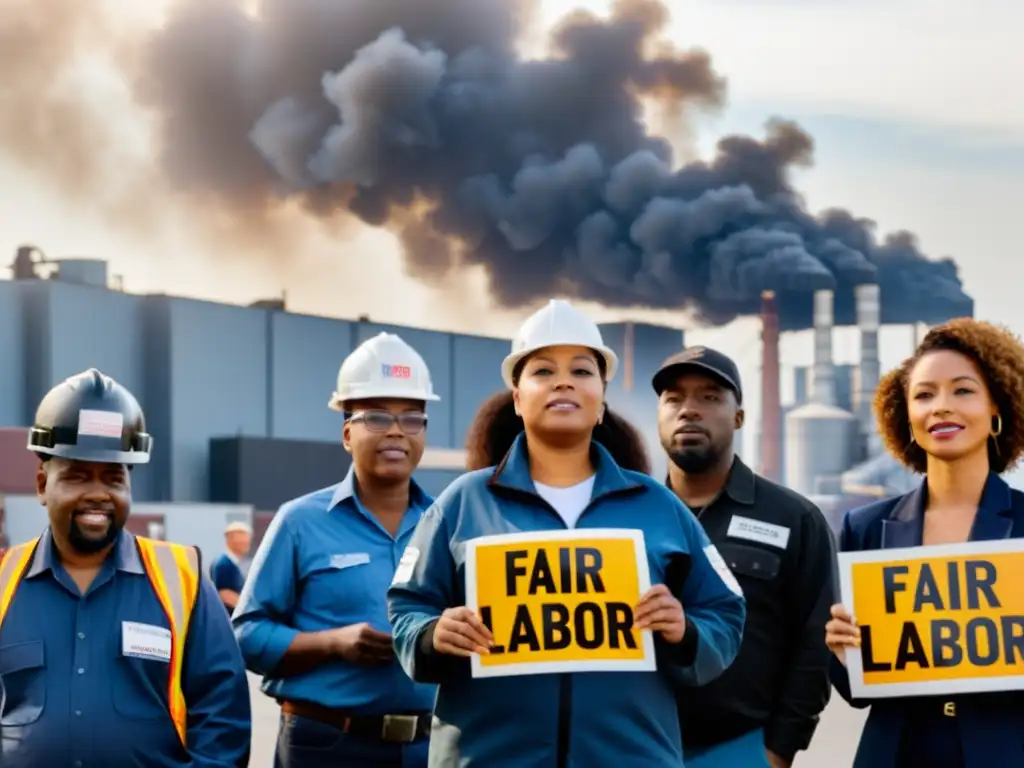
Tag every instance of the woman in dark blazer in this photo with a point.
(954, 411)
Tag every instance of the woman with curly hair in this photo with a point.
(549, 456)
(953, 411)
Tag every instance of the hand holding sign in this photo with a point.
(559, 601)
(933, 620)
(659, 611)
(459, 632)
(841, 632)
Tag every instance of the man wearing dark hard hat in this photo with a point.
(113, 649)
(765, 707)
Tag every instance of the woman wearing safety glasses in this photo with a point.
(558, 458)
(312, 618)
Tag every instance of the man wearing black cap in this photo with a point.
(765, 707)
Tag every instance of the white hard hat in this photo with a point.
(238, 527)
(384, 366)
(557, 324)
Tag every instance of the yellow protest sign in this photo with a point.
(936, 620)
(559, 601)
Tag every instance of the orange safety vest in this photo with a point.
(174, 573)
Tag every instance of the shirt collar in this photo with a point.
(739, 485)
(125, 555)
(346, 490)
(514, 470)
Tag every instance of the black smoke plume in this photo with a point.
(420, 115)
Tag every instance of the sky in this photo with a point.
(914, 108)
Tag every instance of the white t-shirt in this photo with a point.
(569, 502)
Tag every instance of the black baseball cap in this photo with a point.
(702, 360)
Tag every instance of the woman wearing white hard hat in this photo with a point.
(556, 460)
(312, 618)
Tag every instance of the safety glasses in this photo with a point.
(410, 422)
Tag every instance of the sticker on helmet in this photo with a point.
(396, 371)
(100, 423)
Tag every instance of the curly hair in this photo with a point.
(999, 355)
(496, 426)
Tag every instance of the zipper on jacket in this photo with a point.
(564, 718)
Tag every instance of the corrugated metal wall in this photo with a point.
(203, 370)
(12, 352)
(305, 353)
(641, 350)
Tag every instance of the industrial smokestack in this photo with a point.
(771, 401)
(823, 390)
(868, 317)
(360, 108)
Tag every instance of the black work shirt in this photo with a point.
(782, 551)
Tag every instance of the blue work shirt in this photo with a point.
(73, 699)
(581, 719)
(226, 574)
(324, 563)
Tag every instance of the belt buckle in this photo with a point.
(399, 728)
(949, 709)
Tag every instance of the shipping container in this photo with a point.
(260, 522)
(18, 465)
(151, 526)
(266, 473)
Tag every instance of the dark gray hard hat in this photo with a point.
(90, 417)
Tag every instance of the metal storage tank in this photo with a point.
(879, 476)
(821, 441)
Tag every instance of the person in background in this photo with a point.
(114, 650)
(230, 569)
(953, 412)
(559, 459)
(766, 706)
(312, 617)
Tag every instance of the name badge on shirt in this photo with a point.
(144, 641)
(755, 530)
(347, 561)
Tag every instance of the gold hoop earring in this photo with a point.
(912, 439)
(999, 426)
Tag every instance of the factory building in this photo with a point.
(236, 397)
(829, 448)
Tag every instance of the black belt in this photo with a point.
(400, 729)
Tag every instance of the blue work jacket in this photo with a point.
(560, 720)
(988, 727)
(73, 697)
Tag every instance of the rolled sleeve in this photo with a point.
(261, 618)
(216, 688)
